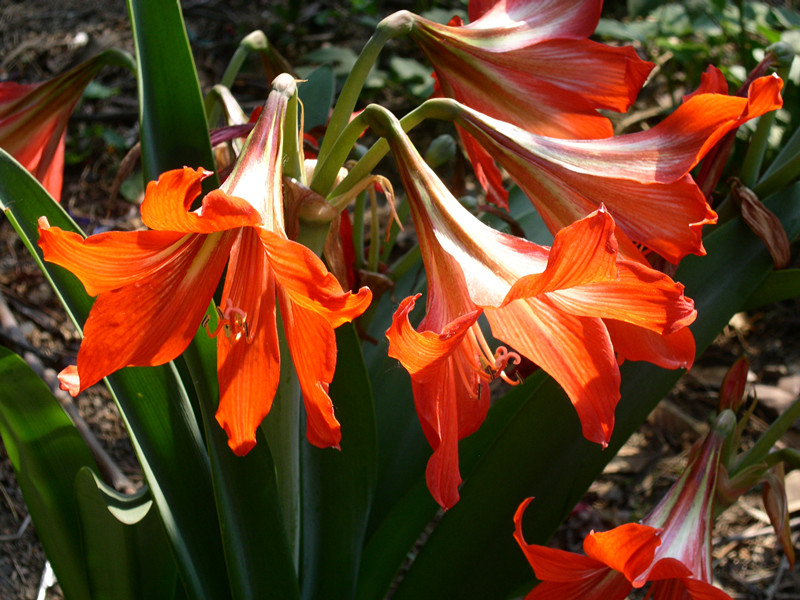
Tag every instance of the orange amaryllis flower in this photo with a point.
(33, 118)
(642, 178)
(544, 74)
(573, 309)
(670, 548)
(154, 287)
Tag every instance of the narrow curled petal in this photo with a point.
(312, 344)
(248, 358)
(167, 202)
(151, 320)
(421, 353)
(582, 254)
(308, 282)
(450, 398)
(565, 575)
(628, 549)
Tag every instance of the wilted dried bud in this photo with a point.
(764, 224)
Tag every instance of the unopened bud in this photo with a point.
(441, 150)
(783, 53)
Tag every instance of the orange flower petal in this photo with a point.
(566, 575)
(312, 344)
(642, 178)
(303, 276)
(686, 589)
(583, 253)
(669, 351)
(422, 353)
(107, 261)
(628, 549)
(248, 358)
(575, 351)
(151, 320)
(640, 296)
(450, 398)
(167, 202)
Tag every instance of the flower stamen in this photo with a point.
(232, 323)
(501, 358)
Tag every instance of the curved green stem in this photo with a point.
(114, 57)
(219, 96)
(763, 446)
(255, 41)
(439, 108)
(328, 168)
(395, 25)
(788, 456)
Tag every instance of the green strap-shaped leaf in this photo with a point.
(127, 554)
(172, 120)
(47, 452)
(779, 285)
(404, 451)
(152, 401)
(338, 484)
(539, 451)
(316, 94)
(257, 554)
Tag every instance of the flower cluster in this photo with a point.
(154, 287)
(576, 309)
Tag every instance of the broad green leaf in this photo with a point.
(779, 285)
(127, 554)
(338, 484)
(152, 402)
(403, 450)
(47, 452)
(471, 552)
(316, 94)
(172, 120)
(783, 169)
(258, 557)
